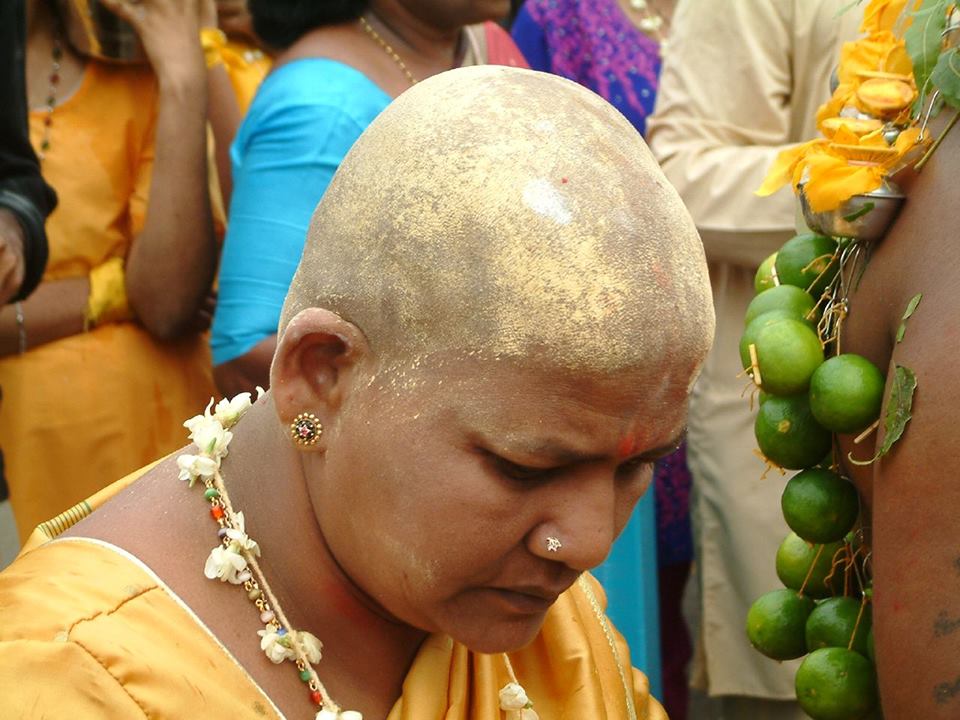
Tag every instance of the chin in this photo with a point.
(499, 636)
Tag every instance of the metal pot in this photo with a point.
(864, 217)
(95, 31)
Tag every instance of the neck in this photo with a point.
(416, 38)
(364, 648)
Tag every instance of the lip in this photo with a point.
(523, 601)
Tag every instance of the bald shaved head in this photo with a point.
(510, 213)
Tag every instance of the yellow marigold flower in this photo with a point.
(882, 15)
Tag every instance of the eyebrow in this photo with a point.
(559, 453)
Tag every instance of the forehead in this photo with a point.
(529, 399)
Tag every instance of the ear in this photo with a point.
(315, 366)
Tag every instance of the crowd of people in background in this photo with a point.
(154, 206)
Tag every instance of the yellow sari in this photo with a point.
(89, 631)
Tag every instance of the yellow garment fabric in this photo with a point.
(246, 66)
(90, 632)
(87, 409)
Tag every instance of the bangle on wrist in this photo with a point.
(21, 327)
(212, 40)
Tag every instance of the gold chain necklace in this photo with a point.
(234, 560)
(388, 49)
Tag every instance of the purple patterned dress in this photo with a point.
(595, 44)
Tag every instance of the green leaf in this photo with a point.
(924, 40)
(911, 307)
(946, 76)
(899, 407)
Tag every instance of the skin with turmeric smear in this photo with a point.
(500, 310)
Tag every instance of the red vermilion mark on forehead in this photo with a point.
(564, 180)
(627, 446)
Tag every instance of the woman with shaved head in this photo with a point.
(469, 387)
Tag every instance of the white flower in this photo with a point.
(276, 646)
(241, 541)
(210, 436)
(311, 646)
(513, 697)
(197, 466)
(205, 415)
(260, 392)
(229, 411)
(326, 715)
(351, 715)
(224, 564)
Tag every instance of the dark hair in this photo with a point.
(280, 23)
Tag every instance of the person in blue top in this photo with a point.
(338, 65)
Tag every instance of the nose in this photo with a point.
(581, 519)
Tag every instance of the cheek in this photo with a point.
(411, 520)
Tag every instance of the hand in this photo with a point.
(235, 20)
(169, 31)
(11, 256)
(204, 317)
(208, 13)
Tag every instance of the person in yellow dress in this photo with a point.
(107, 357)
(486, 345)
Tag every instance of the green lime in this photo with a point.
(836, 684)
(762, 397)
(819, 505)
(788, 351)
(763, 280)
(809, 262)
(788, 435)
(832, 622)
(782, 297)
(794, 558)
(776, 623)
(846, 393)
(753, 329)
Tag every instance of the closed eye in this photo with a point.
(515, 471)
(633, 467)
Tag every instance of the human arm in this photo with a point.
(225, 114)
(170, 265)
(12, 261)
(248, 371)
(25, 199)
(728, 102)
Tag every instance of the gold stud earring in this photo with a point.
(306, 429)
